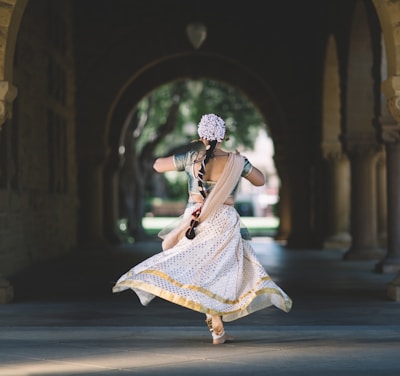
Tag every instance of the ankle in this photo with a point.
(208, 321)
(217, 326)
(218, 336)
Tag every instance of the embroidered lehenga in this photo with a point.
(216, 272)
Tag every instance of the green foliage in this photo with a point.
(197, 98)
(176, 185)
(242, 119)
(167, 119)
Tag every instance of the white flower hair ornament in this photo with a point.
(211, 127)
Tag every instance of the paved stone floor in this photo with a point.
(65, 321)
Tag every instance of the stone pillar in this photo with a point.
(393, 290)
(284, 198)
(91, 183)
(111, 199)
(391, 263)
(390, 135)
(6, 291)
(301, 236)
(382, 200)
(283, 212)
(363, 158)
(92, 225)
(8, 93)
(338, 200)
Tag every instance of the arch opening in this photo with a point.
(163, 121)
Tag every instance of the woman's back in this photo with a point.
(215, 166)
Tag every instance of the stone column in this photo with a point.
(284, 212)
(111, 199)
(382, 200)
(363, 158)
(390, 134)
(284, 201)
(91, 184)
(338, 200)
(6, 291)
(391, 263)
(8, 93)
(301, 236)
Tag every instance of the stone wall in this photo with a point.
(38, 178)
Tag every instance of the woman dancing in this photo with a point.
(206, 265)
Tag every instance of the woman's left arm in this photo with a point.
(256, 177)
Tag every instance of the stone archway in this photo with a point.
(194, 66)
(11, 12)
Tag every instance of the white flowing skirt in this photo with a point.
(215, 273)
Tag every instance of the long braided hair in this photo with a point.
(200, 175)
(190, 233)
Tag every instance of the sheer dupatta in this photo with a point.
(223, 188)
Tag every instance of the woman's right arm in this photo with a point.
(164, 164)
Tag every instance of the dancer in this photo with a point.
(206, 265)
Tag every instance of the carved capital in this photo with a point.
(332, 151)
(8, 92)
(334, 156)
(391, 90)
(359, 145)
(390, 133)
